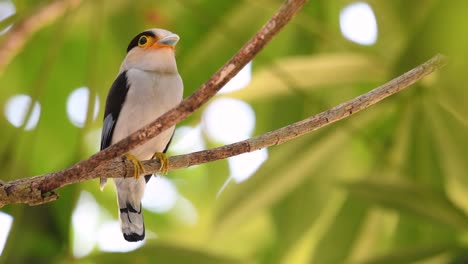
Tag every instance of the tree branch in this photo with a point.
(39, 189)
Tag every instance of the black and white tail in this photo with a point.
(129, 195)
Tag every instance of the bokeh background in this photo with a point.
(388, 185)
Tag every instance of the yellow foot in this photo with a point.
(163, 160)
(138, 168)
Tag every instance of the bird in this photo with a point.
(147, 85)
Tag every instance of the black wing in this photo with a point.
(114, 103)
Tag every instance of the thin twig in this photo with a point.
(27, 191)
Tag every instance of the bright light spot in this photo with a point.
(187, 139)
(6, 221)
(7, 8)
(16, 109)
(228, 120)
(110, 239)
(160, 195)
(241, 80)
(77, 106)
(185, 211)
(93, 140)
(85, 219)
(358, 23)
(245, 165)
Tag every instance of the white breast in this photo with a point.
(149, 96)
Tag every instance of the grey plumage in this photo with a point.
(147, 86)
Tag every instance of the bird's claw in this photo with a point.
(138, 168)
(163, 160)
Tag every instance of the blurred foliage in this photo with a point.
(388, 185)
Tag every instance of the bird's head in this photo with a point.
(152, 50)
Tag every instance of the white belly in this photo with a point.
(150, 95)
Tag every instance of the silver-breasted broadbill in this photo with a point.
(147, 86)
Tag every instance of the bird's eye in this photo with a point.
(142, 41)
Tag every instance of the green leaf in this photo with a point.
(411, 254)
(406, 196)
(337, 243)
(450, 140)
